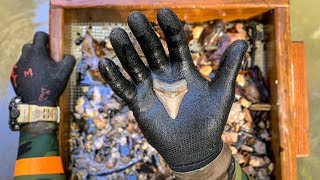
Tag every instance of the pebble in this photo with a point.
(234, 113)
(249, 170)
(262, 174)
(271, 168)
(196, 31)
(98, 143)
(241, 80)
(252, 93)
(247, 148)
(256, 161)
(230, 137)
(247, 115)
(260, 147)
(99, 123)
(245, 103)
(233, 149)
(239, 158)
(247, 127)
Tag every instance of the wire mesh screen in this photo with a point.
(100, 32)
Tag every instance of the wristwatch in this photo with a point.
(20, 113)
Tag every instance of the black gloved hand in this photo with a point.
(36, 78)
(193, 138)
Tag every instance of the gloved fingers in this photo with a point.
(41, 39)
(25, 51)
(175, 37)
(65, 67)
(148, 40)
(128, 56)
(119, 84)
(230, 63)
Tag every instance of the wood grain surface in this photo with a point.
(175, 4)
(56, 44)
(300, 99)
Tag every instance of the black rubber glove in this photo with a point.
(193, 138)
(36, 78)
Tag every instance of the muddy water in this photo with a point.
(20, 19)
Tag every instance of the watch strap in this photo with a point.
(33, 113)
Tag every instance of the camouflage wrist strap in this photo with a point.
(34, 113)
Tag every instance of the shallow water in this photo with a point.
(20, 19)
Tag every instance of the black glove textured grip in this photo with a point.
(36, 78)
(193, 138)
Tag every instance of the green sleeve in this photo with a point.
(36, 145)
(239, 174)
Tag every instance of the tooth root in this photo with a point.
(170, 95)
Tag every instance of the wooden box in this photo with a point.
(285, 60)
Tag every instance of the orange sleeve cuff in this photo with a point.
(38, 165)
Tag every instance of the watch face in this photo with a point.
(14, 113)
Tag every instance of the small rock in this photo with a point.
(196, 31)
(260, 147)
(109, 45)
(99, 123)
(247, 127)
(88, 146)
(265, 135)
(234, 112)
(267, 160)
(270, 168)
(252, 93)
(256, 161)
(241, 80)
(145, 146)
(131, 127)
(245, 103)
(119, 120)
(249, 170)
(236, 127)
(112, 105)
(85, 89)
(80, 101)
(246, 148)
(77, 116)
(88, 113)
(130, 116)
(233, 149)
(237, 32)
(79, 109)
(205, 70)
(262, 174)
(98, 143)
(239, 158)
(229, 137)
(96, 96)
(247, 115)
(261, 125)
(89, 137)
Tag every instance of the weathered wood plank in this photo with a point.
(300, 99)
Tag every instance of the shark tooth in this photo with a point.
(170, 95)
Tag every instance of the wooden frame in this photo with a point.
(289, 138)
